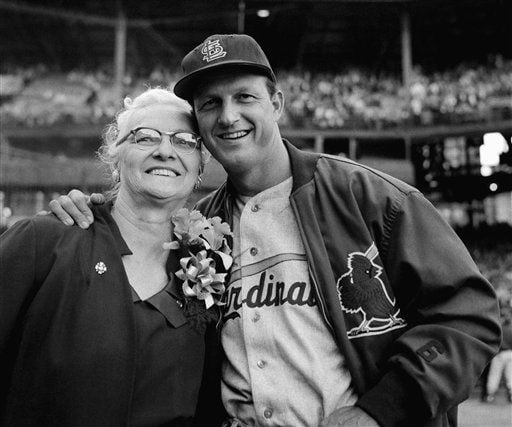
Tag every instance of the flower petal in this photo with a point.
(227, 260)
(174, 245)
(208, 301)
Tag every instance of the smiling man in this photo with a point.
(238, 117)
(351, 301)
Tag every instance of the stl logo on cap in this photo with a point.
(212, 50)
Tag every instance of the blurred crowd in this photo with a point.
(356, 99)
(350, 99)
(491, 248)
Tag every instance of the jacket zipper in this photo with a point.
(320, 299)
(319, 295)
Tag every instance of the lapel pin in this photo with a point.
(100, 267)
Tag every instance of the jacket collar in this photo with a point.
(102, 213)
(303, 164)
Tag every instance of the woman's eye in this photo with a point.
(148, 140)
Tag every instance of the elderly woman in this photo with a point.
(92, 325)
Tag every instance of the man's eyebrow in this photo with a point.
(246, 89)
(214, 94)
(202, 95)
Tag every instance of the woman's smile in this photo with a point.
(163, 172)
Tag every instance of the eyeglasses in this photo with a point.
(147, 138)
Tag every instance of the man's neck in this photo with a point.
(274, 170)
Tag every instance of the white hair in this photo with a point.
(109, 151)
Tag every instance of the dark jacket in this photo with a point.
(67, 333)
(414, 371)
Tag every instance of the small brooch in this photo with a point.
(100, 267)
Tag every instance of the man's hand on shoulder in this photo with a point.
(74, 208)
(350, 416)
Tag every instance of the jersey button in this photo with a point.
(256, 317)
(267, 412)
(254, 251)
(255, 208)
(261, 364)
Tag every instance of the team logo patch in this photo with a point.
(212, 50)
(369, 307)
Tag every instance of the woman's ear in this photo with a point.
(205, 158)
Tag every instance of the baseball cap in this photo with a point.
(230, 51)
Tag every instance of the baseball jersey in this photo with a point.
(283, 367)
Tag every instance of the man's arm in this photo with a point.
(74, 208)
(452, 309)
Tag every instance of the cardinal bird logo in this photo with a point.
(363, 294)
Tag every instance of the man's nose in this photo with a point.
(229, 114)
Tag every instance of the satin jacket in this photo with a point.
(406, 304)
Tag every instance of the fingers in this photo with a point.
(97, 198)
(73, 208)
(55, 206)
(84, 216)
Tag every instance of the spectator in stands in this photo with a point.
(351, 301)
(93, 330)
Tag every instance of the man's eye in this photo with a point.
(246, 97)
(210, 103)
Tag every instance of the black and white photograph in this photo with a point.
(245, 213)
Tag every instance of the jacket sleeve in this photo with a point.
(17, 287)
(452, 313)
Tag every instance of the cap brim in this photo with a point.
(185, 87)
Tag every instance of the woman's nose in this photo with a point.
(165, 149)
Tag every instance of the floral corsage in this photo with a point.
(205, 259)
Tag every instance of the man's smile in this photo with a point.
(234, 135)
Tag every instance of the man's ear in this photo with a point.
(278, 103)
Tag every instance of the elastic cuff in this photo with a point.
(394, 399)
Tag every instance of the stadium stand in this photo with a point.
(353, 99)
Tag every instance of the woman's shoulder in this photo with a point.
(45, 232)
(49, 223)
(53, 224)
(37, 222)
(43, 228)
